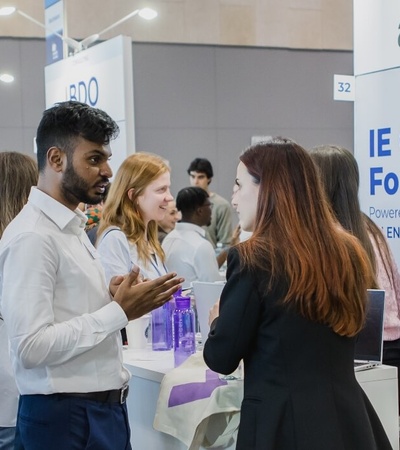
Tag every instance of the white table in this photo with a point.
(148, 369)
(380, 385)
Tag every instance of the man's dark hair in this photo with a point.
(190, 198)
(64, 123)
(202, 165)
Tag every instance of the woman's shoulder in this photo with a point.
(111, 234)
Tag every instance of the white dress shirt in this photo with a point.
(62, 325)
(190, 254)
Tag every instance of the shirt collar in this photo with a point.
(56, 211)
(186, 226)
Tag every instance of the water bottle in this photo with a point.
(184, 331)
(161, 328)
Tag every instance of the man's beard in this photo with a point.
(75, 189)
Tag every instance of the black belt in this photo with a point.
(113, 396)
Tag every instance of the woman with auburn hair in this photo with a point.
(340, 176)
(19, 173)
(294, 299)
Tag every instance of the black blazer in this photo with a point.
(300, 390)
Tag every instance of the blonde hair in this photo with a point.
(19, 173)
(136, 172)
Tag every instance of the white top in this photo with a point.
(118, 256)
(190, 254)
(62, 325)
(8, 388)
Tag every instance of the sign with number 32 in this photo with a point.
(344, 88)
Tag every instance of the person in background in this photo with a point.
(62, 319)
(93, 214)
(167, 224)
(18, 174)
(294, 300)
(137, 201)
(220, 229)
(340, 176)
(187, 251)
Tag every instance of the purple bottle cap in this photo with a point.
(182, 302)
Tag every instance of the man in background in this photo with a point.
(186, 248)
(220, 229)
(172, 216)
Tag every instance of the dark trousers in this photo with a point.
(59, 422)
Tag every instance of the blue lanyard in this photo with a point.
(153, 262)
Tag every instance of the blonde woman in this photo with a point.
(138, 199)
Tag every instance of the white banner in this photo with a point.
(102, 77)
(377, 149)
(376, 35)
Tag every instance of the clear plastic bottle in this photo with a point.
(161, 328)
(184, 330)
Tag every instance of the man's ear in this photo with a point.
(55, 158)
(198, 211)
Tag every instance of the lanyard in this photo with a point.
(154, 263)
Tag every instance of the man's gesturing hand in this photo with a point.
(138, 298)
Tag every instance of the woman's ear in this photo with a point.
(131, 193)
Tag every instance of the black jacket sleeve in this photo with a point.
(234, 331)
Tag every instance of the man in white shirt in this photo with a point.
(186, 248)
(62, 320)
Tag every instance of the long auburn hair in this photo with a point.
(296, 236)
(19, 173)
(137, 171)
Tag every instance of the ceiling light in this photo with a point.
(77, 46)
(6, 78)
(7, 10)
(147, 13)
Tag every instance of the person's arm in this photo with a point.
(31, 280)
(233, 332)
(221, 257)
(235, 239)
(224, 224)
(29, 285)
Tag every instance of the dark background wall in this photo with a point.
(193, 100)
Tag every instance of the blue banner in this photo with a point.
(54, 20)
(48, 3)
